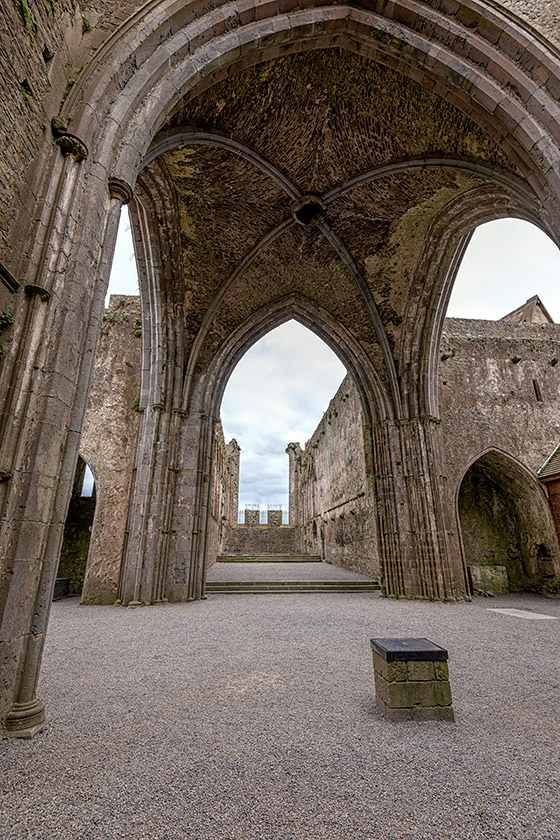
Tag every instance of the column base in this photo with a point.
(25, 720)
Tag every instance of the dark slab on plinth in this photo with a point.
(408, 650)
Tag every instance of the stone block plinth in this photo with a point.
(411, 679)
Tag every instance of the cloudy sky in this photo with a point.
(282, 386)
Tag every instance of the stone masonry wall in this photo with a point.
(43, 48)
(219, 498)
(488, 400)
(488, 392)
(261, 539)
(499, 388)
(334, 488)
(108, 445)
(109, 442)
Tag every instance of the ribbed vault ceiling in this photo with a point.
(310, 123)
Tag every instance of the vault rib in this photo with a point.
(170, 140)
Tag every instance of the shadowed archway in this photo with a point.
(505, 521)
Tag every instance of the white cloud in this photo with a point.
(507, 262)
(277, 394)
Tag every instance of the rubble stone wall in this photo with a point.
(261, 539)
(335, 496)
(108, 442)
(499, 390)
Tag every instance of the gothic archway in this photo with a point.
(492, 75)
(506, 526)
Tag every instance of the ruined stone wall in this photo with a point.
(108, 442)
(490, 382)
(335, 502)
(217, 519)
(499, 389)
(261, 539)
(108, 445)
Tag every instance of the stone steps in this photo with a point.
(269, 558)
(285, 586)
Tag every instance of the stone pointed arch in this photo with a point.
(495, 69)
(376, 403)
(446, 243)
(206, 392)
(504, 520)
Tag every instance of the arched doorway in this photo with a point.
(507, 530)
(77, 530)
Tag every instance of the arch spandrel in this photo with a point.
(302, 264)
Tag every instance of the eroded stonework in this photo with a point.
(499, 389)
(98, 101)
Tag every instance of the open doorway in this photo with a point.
(506, 525)
(77, 532)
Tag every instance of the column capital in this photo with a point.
(120, 189)
(69, 144)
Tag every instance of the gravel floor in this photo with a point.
(280, 571)
(245, 717)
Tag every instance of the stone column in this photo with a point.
(415, 559)
(183, 551)
(65, 314)
(294, 455)
(139, 576)
(232, 488)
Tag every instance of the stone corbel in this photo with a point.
(120, 189)
(43, 294)
(68, 143)
(71, 145)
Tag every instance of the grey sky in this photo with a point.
(282, 386)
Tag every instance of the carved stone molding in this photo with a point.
(120, 189)
(71, 145)
(43, 294)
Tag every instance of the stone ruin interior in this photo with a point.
(324, 163)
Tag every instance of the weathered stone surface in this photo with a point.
(335, 488)
(489, 578)
(261, 539)
(487, 404)
(415, 689)
(108, 443)
(464, 127)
